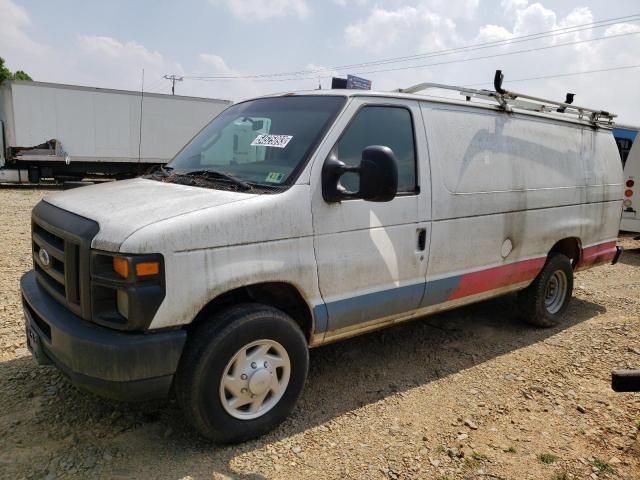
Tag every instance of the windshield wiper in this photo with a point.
(215, 174)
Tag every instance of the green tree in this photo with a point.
(21, 75)
(5, 73)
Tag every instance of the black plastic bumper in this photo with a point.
(119, 365)
(619, 251)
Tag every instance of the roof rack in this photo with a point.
(508, 100)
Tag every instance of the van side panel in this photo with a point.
(506, 188)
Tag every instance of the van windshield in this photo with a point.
(265, 141)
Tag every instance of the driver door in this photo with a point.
(372, 257)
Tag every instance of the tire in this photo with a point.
(265, 334)
(545, 301)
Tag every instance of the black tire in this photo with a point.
(208, 351)
(533, 300)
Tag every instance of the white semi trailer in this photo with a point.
(67, 132)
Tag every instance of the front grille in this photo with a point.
(61, 247)
(60, 273)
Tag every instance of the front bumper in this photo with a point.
(110, 363)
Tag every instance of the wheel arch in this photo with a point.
(569, 246)
(281, 295)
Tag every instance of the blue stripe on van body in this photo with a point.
(363, 308)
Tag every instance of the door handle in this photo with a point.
(422, 239)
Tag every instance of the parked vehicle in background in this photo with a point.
(67, 132)
(625, 137)
(295, 220)
(631, 203)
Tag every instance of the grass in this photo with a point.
(563, 475)
(638, 423)
(474, 460)
(602, 466)
(441, 449)
(479, 457)
(510, 450)
(548, 458)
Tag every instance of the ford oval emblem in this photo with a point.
(44, 257)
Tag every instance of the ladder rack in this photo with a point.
(508, 100)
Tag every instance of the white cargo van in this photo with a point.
(631, 203)
(341, 212)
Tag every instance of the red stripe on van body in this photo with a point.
(497, 277)
(596, 254)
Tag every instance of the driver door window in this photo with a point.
(380, 125)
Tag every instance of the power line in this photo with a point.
(492, 44)
(448, 62)
(558, 75)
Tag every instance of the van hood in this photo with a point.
(124, 207)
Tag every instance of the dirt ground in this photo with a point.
(470, 394)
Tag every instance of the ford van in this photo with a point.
(295, 220)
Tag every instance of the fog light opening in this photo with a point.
(122, 300)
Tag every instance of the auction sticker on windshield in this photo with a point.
(266, 140)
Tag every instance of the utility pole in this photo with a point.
(173, 79)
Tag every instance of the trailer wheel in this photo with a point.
(545, 301)
(242, 372)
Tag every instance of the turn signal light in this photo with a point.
(121, 266)
(628, 193)
(145, 269)
(630, 183)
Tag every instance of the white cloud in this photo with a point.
(112, 48)
(452, 8)
(344, 3)
(252, 10)
(214, 65)
(599, 90)
(511, 6)
(14, 39)
(621, 28)
(492, 33)
(109, 62)
(412, 28)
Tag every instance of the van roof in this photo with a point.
(430, 98)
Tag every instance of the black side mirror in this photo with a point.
(378, 172)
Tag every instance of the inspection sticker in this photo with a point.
(265, 140)
(275, 177)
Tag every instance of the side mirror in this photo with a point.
(378, 173)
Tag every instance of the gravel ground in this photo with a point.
(469, 394)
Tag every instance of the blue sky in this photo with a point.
(108, 43)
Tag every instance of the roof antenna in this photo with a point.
(497, 82)
(569, 100)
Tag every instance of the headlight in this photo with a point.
(126, 290)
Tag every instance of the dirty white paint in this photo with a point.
(486, 178)
(630, 214)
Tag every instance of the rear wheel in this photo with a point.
(242, 372)
(545, 301)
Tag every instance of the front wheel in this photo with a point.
(545, 301)
(242, 372)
